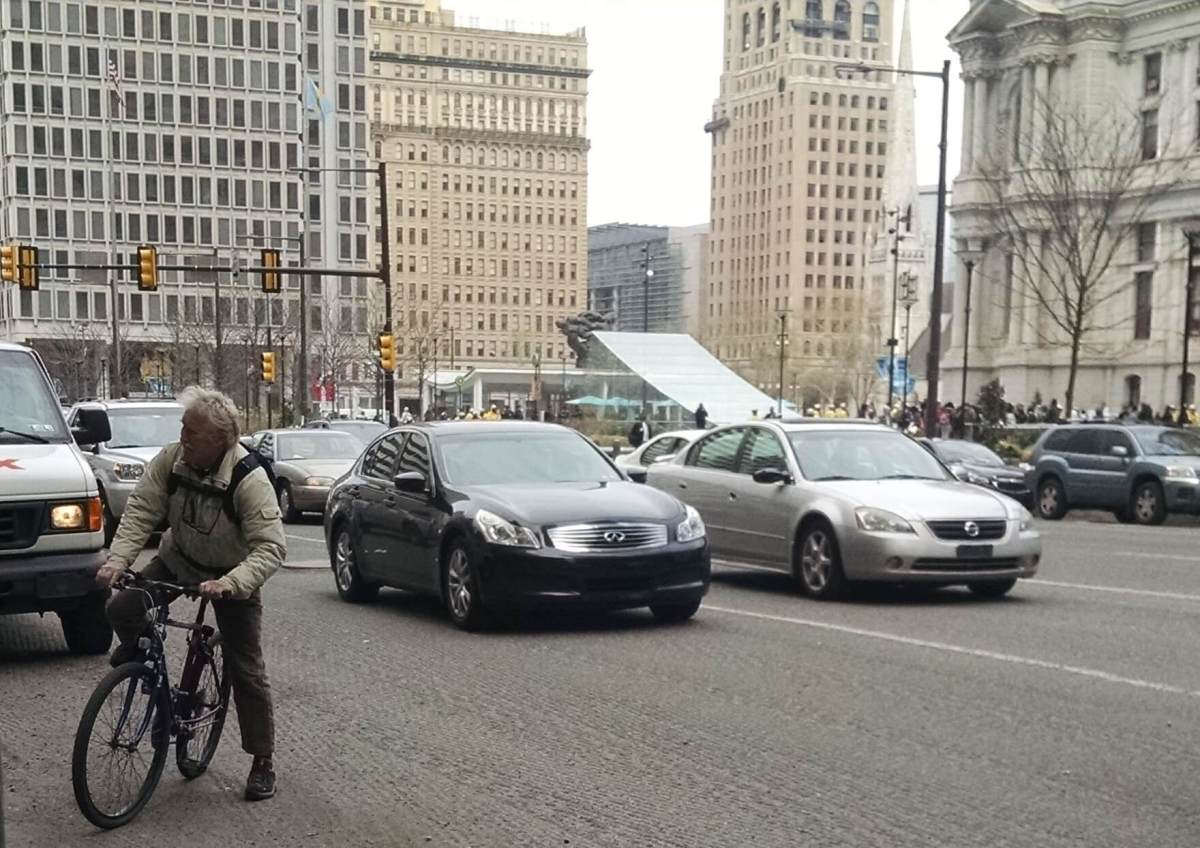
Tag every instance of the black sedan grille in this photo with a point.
(607, 538)
(1006, 484)
(965, 564)
(970, 530)
(19, 524)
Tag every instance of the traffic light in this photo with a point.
(271, 283)
(27, 267)
(8, 263)
(387, 351)
(268, 366)
(147, 265)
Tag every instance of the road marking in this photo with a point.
(306, 564)
(1117, 590)
(945, 647)
(307, 539)
(1141, 555)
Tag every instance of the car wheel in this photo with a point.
(1148, 505)
(349, 580)
(819, 564)
(86, 627)
(290, 514)
(675, 613)
(460, 585)
(1051, 500)
(110, 522)
(992, 588)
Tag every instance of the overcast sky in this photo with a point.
(656, 68)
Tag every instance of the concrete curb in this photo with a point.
(306, 564)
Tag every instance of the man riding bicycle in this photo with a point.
(224, 532)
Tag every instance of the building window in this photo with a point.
(760, 27)
(746, 31)
(814, 16)
(1146, 235)
(1143, 291)
(1153, 68)
(871, 22)
(1150, 134)
(1133, 390)
(841, 20)
(775, 23)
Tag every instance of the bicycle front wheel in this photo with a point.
(121, 745)
(202, 716)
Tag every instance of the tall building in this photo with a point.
(192, 153)
(484, 132)
(1062, 82)
(617, 286)
(798, 170)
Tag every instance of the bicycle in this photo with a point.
(134, 713)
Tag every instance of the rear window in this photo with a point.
(1058, 440)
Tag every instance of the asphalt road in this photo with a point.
(1063, 715)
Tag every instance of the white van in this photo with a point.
(51, 518)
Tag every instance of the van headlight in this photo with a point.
(1180, 472)
(68, 517)
(691, 528)
(129, 472)
(881, 521)
(497, 531)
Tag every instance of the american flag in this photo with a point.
(114, 79)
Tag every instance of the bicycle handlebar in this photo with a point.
(133, 580)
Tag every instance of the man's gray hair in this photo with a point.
(217, 408)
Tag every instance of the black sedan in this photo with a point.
(510, 515)
(972, 462)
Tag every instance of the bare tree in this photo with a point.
(73, 358)
(416, 352)
(1065, 213)
(333, 354)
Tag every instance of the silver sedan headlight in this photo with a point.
(128, 472)
(497, 531)
(881, 521)
(1026, 520)
(318, 481)
(691, 528)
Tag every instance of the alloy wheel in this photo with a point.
(285, 501)
(458, 584)
(815, 561)
(1147, 504)
(344, 562)
(1049, 501)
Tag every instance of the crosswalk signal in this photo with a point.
(147, 267)
(268, 366)
(27, 267)
(271, 283)
(387, 351)
(8, 263)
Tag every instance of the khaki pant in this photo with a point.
(240, 623)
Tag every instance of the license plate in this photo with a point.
(974, 551)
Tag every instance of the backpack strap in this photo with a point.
(240, 472)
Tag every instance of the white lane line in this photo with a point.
(1116, 590)
(1144, 555)
(945, 647)
(306, 564)
(307, 539)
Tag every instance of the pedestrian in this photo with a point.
(701, 417)
(224, 533)
(406, 417)
(754, 415)
(640, 432)
(946, 420)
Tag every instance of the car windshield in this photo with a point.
(826, 455)
(486, 459)
(967, 452)
(1169, 442)
(327, 444)
(32, 410)
(144, 428)
(363, 431)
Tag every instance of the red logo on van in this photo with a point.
(10, 464)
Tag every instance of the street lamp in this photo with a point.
(892, 341)
(1191, 232)
(908, 299)
(647, 277)
(935, 300)
(971, 255)
(782, 343)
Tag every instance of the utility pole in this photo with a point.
(385, 259)
(647, 276)
(783, 341)
(908, 300)
(1193, 239)
(905, 219)
(932, 369)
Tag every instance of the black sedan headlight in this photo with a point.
(497, 531)
(691, 528)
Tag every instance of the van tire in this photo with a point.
(86, 627)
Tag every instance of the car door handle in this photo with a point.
(683, 485)
(733, 496)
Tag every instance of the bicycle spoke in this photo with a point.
(118, 756)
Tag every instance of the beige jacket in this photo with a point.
(201, 543)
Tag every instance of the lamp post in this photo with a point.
(647, 276)
(1192, 233)
(537, 383)
(935, 299)
(971, 255)
(782, 343)
(905, 219)
(908, 299)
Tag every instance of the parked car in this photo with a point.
(140, 429)
(514, 515)
(51, 519)
(834, 503)
(1140, 472)
(657, 449)
(360, 429)
(306, 465)
(972, 462)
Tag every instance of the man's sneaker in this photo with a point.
(124, 653)
(261, 783)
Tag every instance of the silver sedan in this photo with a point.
(834, 503)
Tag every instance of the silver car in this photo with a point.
(835, 503)
(306, 465)
(140, 429)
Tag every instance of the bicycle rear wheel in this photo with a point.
(202, 717)
(120, 746)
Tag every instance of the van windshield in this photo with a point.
(38, 413)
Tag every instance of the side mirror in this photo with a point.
(637, 475)
(247, 442)
(772, 475)
(1119, 450)
(412, 482)
(91, 427)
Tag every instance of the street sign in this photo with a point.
(902, 383)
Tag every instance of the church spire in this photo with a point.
(900, 186)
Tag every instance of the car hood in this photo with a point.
(994, 472)
(144, 454)
(332, 468)
(36, 471)
(922, 500)
(544, 505)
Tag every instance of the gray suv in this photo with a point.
(1140, 473)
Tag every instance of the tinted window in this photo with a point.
(1085, 442)
(660, 447)
(1110, 439)
(718, 451)
(762, 450)
(1058, 440)
(380, 460)
(415, 457)
(547, 457)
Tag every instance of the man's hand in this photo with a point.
(108, 574)
(215, 590)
